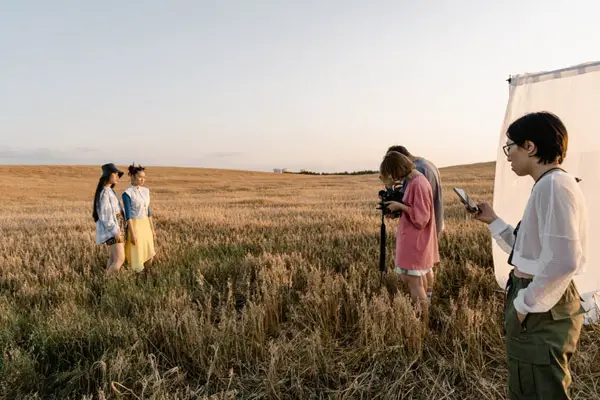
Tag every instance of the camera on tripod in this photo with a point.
(393, 193)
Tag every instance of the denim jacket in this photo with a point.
(107, 225)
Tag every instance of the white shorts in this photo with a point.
(411, 272)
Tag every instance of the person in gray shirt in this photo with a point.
(432, 174)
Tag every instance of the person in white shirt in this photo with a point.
(543, 312)
(108, 215)
(139, 245)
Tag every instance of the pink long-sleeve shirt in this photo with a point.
(416, 238)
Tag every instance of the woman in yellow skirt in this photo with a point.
(139, 244)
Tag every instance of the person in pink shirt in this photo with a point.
(416, 239)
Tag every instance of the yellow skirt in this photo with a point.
(143, 250)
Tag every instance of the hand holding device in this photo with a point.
(466, 200)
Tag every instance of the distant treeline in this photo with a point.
(364, 172)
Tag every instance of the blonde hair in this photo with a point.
(396, 165)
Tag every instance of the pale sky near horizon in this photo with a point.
(319, 85)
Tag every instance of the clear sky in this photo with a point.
(320, 85)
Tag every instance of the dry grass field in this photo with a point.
(266, 286)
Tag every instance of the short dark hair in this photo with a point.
(400, 149)
(546, 131)
(134, 169)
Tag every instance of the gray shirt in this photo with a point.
(432, 174)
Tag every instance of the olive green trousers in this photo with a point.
(540, 348)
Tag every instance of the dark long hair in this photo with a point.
(101, 184)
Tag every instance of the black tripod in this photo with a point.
(389, 194)
(382, 242)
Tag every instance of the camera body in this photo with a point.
(390, 194)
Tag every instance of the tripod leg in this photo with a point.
(382, 245)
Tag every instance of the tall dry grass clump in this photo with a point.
(265, 286)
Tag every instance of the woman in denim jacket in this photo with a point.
(108, 215)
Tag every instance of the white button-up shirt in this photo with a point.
(139, 203)
(552, 241)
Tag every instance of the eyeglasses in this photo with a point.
(506, 148)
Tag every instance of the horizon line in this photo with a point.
(221, 169)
